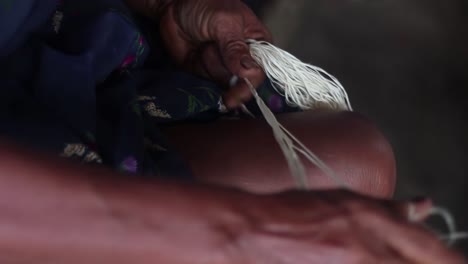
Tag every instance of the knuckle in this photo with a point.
(234, 46)
(223, 23)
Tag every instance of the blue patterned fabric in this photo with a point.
(82, 80)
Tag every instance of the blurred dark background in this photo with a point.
(405, 66)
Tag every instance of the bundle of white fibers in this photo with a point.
(310, 87)
(292, 147)
(303, 85)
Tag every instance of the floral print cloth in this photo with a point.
(83, 81)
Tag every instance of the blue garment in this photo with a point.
(76, 81)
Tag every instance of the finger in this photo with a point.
(422, 246)
(235, 52)
(211, 66)
(240, 92)
(236, 56)
(416, 210)
(254, 28)
(175, 45)
(413, 243)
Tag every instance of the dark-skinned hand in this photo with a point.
(339, 227)
(207, 38)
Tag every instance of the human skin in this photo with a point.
(207, 38)
(52, 211)
(244, 153)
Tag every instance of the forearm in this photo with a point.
(54, 212)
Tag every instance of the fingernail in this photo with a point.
(248, 63)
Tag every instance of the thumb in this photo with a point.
(235, 54)
(234, 50)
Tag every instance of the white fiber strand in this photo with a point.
(453, 235)
(454, 238)
(303, 85)
(285, 143)
(246, 111)
(322, 166)
(310, 87)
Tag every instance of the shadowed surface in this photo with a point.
(404, 64)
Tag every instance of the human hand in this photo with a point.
(338, 227)
(207, 37)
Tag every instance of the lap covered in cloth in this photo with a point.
(87, 80)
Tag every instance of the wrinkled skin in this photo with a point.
(207, 38)
(55, 212)
(340, 227)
